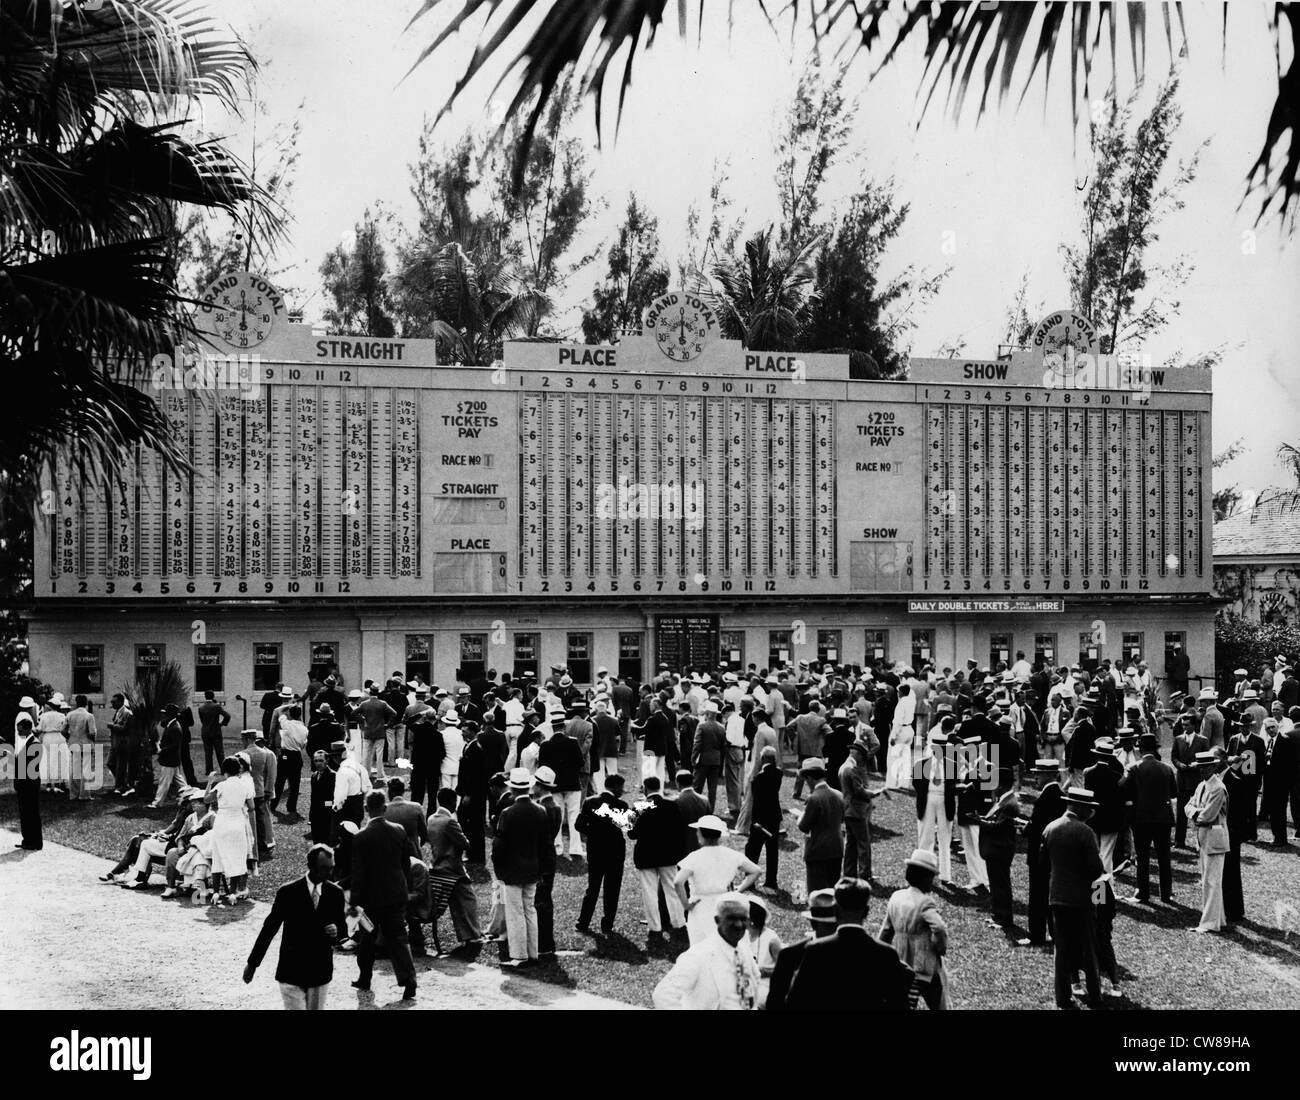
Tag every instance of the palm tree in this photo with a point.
(1289, 455)
(93, 172)
(154, 689)
(967, 45)
(761, 297)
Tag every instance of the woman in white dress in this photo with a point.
(898, 765)
(51, 725)
(709, 872)
(233, 798)
(764, 945)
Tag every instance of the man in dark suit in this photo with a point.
(447, 847)
(660, 846)
(850, 971)
(1070, 850)
(27, 783)
(1103, 778)
(1049, 805)
(606, 854)
(1152, 787)
(213, 719)
(823, 822)
(521, 831)
(563, 755)
(707, 753)
(381, 857)
(821, 919)
(471, 786)
(1253, 749)
(543, 795)
(311, 911)
(409, 815)
(1183, 754)
(1283, 775)
(692, 806)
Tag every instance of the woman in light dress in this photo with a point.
(917, 931)
(898, 766)
(55, 760)
(708, 873)
(764, 945)
(232, 795)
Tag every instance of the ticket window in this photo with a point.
(149, 659)
(578, 658)
(1045, 650)
(731, 645)
(528, 648)
(1089, 651)
(87, 670)
(473, 657)
(922, 648)
(999, 650)
(419, 657)
(631, 648)
(778, 649)
(267, 666)
(209, 668)
(324, 660)
(1132, 647)
(877, 648)
(1172, 638)
(828, 647)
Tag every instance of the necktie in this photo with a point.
(315, 895)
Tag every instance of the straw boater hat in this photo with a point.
(520, 779)
(1250, 693)
(1103, 747)
(545, 776)
(1047, 765)
(286, 692)
(1240, 672)
(1207, 759)
(1080, 796)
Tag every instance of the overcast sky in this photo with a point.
(1002, 192)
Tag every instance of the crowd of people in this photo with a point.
(520, 774)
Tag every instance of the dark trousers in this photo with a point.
(760, 838)
(390, 921)
(1104, 918)
(798, 779)
(187, 760)
(1278, 799)
(425, 777)
(1144, 836)
(708, 775)
(602, 872)
(1039, 880)
(1074, 929)
(1180, 826)
(322, 825)
(470, 815)
(1251, 821)
(132, 853)
(999, 869)
(545, 906)
(1234, 904)
(415, 936)
(119, 762)
(214, 751)
(290, 773)
(353, 809)
(29, 812)
(857, 847)
(823, 873)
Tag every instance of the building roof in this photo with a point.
(1271, 527)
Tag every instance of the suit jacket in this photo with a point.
(854, 786)
(381, 857)
(849, 972)
(658, 834)
(1251, 744)
(1183, 753)
(658, 734)
(447, 844)
(607, 735)
(1150, 784)
(921, 785)
(522, 832)
(410, 816)
(1103, 780)
(605, 840)
(823, 821)
(692, 806)
(767, 798)
(553, 819)
(306, 952)
(262, 765)
(787, 966)
(1071, 851)
(710, 744)
(563, 755)
(1050, 806)
(1078, 750)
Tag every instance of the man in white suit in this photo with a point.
(717, 973)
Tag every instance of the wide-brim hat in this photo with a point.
(441, 693)
(286, 693)
(578, 704)
(1126, 733)
(451, 718)
(545, 776)
(712, 823)
(1047, 765)
(1250, 693)
(355, 693)
(1103, 746)
(924, 859)
(57, 698)
(26, 701)
(566, 681)
(1080, 796)
(520, 779)
(1207, 759)
(821, 906)
(1240, 672)
(813, 765)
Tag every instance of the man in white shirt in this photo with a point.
(514, 712)
(351, 785)
(81, 732)
(292, 756)
(1022, 669)
(717, 973)
(733, 692)
(734, 764)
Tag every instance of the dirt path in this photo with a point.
(67, 941)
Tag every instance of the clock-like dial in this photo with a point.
(241, 309)
(681, 332)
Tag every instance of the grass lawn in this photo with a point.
(1164, 964)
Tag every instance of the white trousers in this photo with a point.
(654, 765)
(898, 762)
(570, 804)
(970, 841)
(608, 766)
(521, 920)
(1106, 841)
(297, 997)
(150, 849)
(935, 826)
(1212, 916)
(651, 879)
(372, 755)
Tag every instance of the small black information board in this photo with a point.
(686, 641)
